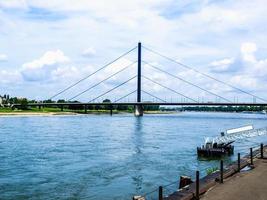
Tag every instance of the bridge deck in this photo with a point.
(148, 103)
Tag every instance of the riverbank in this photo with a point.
(56, 112)
(3, 114)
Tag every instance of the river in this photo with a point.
(99, 157)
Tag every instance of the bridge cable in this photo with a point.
(181, 79)
(93, 86)
(169, 89)
(154, 96)
(86, 77)
(125, 96)
(113, 89)
(203, 74)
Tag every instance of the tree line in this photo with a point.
(9, 101)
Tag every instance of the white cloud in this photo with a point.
(48, 59)
(89, 52)
(10, 77)
(210, 31)
(250, 71)
(43, 68)
(13, 4)
(248, 49)
(222, 65)
(3, 57)
(253, 66)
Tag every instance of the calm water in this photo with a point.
(102, 157)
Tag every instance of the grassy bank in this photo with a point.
(54, 111)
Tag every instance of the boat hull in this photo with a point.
(215, 152)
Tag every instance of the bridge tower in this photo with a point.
(138, 109)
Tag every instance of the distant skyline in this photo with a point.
(47, 45)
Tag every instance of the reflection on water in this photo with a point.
(137, 141)
(104, 157)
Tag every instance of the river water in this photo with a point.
(102, 157)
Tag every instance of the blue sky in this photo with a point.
(47, 45)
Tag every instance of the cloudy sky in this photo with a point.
(47, 45)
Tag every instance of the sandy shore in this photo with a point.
(242, 186)
(4, 114)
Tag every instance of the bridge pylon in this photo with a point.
(138, 109)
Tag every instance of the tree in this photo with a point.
(106, 101)
(48, 101)
(61, 101)
(24, 103)
(106, 107)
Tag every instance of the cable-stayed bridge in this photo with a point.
(139, 77)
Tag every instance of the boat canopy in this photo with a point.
(240, 135)
(240, 129)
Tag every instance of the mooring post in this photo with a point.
(261, 151)
(197, 185)
(160, 193)
(221, 170)
(251, 156)
(238, 162)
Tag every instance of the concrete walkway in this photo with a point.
(250, 185)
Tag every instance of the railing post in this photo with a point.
(251, 156)
(197, 185)
(221, 170)
(238, 162)
(160, 193)
(261, 151)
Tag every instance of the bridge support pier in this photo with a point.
(138, 110)
(111, 110)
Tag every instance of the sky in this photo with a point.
(47, 45)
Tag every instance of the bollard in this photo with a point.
(251, 156)
(221, 170)
(197, 185)
(261, 151)
(160, 193)
(238, 162)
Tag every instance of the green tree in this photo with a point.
(24, 103)
(106, 107)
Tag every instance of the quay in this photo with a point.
(242, 186)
